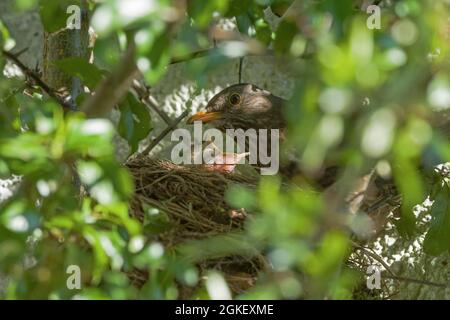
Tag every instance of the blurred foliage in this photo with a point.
(53, 13)
(364, 98)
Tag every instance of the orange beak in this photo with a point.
(205, 116)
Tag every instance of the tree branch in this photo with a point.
(145, 97)
(192, 55)
(112, 89)
(163, 133)
(391, 274)
(33, 75)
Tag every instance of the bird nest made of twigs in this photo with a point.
(193, 200)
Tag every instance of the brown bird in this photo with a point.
(246, 106)
(243, 106)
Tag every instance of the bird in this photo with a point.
(243, 106)
(247, 106)
(225, 162)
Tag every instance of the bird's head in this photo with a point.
(242, 106)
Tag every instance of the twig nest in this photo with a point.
(192, 198)
(190, 195)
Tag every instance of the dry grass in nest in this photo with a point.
(193, 200)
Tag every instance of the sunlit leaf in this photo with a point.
(437, 239)
(135, 121)
(79, 67)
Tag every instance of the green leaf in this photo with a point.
(81, 68)
(263, 32)
(4, 170)
(240, 197)
(9, 116)
(135, 121)
(26, 147)
(407, 178)
(202, 11)
(437, 240)
(94, 237)
(216, 246)
(89, 137)
(157, 224)
(13, 247)
(237, 7)
(54, 13)
(159, 49)
(4, 34)
(285, 34)
(159, 56)
(19, 218)
(244, 24)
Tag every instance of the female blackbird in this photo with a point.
(243, 106)
(246, 106)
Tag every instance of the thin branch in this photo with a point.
(20, 52)
(241, 61)
(207, 52)
(33, 75)
(143, 93)
(151, 101)
(391, 200)
(391, 274)
(163, 133)
(424, 282)
(375, 257)
(192, 55)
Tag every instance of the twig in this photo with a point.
(20, 52)
(424, 282)
(241, 61)
(375, 257)
(384, 202)
(163, 133)
(192, 55)
(392, 275)
(207, 52)
(152, 103)
(145, 97)
(30, 73)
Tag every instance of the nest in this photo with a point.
(193, 200)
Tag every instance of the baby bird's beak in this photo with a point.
(205, 116)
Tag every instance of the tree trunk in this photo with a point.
(66, 43)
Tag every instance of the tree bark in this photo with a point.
(66, 43)
(26, 29)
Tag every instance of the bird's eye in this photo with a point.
(235, 99)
